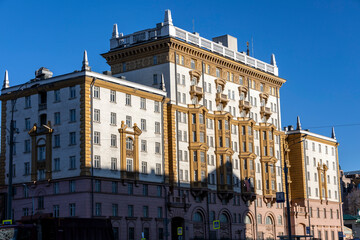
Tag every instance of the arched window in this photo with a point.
(223, 218)
(247, 219)
(197, 217)
(259, 219)
(129, 144)
(268, 220)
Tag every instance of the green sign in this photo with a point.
(216, 224)
(179, 231)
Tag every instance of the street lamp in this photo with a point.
(286, 170)
(11, 153)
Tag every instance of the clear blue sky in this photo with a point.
(316, 44)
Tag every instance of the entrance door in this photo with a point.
(177, 222)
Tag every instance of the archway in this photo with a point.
(177, 222)
(198, 226)
(249, 227)
(270, 227)
(225, 226)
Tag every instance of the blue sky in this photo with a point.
(316, 44)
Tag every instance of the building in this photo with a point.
(183, 131)
(315, 183)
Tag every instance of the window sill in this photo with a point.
(72, 121)
(56, 101)
(111, 124)
(56, 147)
(71, 98)
(72, 144)
(27, 107)
(72, 168)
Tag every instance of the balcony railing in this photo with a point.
(265, 111)
(222, 98)
(196, 91)
(244, 105)
(42, 106)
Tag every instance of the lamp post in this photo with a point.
(286, 171)
(11, 154)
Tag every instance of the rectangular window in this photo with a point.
(72, 161)
(113, 164)
(144, 167)
(72, 186)
(57, 140)
(72, 92)
(157, 147)
(72, 209)
(145, 190)
(97, 138)
(128, 100)
(27, 146)
(57, 118)
(97, 209)
(113, 118)
(28, 102)
(72, 138)
(129, 165)
(96, 115)
(72, 115)
(56, 164)
(113, 96)
(114, 187)
(143, 124)
(115, 210)
(97, 185)
(57, 95)
(41, 202)
(158, 169)
(97, 161)
(27, 124)
(113, 142)
(96, 92)
(128, 121)
(143, 146)
(130, 210)
(159, 191)
(157, 127)
(56, 211)
(142, 103)
(156, 106)
(26, 168)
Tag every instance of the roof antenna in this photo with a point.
(247, 50)
(193, 22)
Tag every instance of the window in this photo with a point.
(130, 189)
(96, 92)
(143, 145)
(157, 147)
(142, 103)
(57, 95)
(96, 115)
(56, 141)
(72, 161)
(130, 210)
(156, 106)
(129, 165)
(157, 127)
(128, 100)
(113, 163)
(113, 96)
(72, 186)
(26, 168)
(27, 124)
(155, 60)
(113, 141)
(97, 138)
(97, 185)
(114, 187)
(56, 118)
(97, 209)
(192, 63)
(72, 138)
(145, 190)
(158, 169)
(73, 115)
(97, 161)
(56, 211)
(41, 202)
(143, 124)
(128, 121)
(155, 79)
(268, 220)
(72, 92)
(112, 118)
(27, 146)
(159, 212)
(144, 167)
(115, 210)
(259, 219)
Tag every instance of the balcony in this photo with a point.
(42, 106)
(265, 111)
(196, 91)
(222, 99)
(244, 106)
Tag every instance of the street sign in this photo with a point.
(216, 224)
(307, 230)
(179, 231)
(280, 197)
(7, 222)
